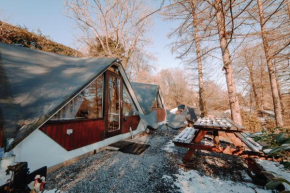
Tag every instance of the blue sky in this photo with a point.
(49, 18)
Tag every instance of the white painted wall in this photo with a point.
(40, 150)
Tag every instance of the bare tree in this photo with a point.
(216, 96)
(187, 36)
(140, 67)
(225, 37)
(202, 99)
(288, 7)
(252, 77)
(175, 87)
(118, 27)
(271, 68)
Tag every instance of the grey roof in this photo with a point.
(146, 94)
(35, 84)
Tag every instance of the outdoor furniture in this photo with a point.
(176, 121)
(194, 138)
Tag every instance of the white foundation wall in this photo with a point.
(40, 150)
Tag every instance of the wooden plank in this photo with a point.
(249, 143)
(84, 133)
(188, 155)
(239, 127)
(218, 124)
(199, 136)
(186, 135)
(161, 114)
(216, 137)
(131, 121)
(236, 141)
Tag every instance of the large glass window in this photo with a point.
(129, 107)
(88, 104)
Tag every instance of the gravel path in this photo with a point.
(152, 171)
(114, 171)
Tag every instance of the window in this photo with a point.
(129, 107)
(159, 102)
(88, 104)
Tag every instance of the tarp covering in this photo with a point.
(146, 94)
(35, 84)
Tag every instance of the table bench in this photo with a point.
(194, 138)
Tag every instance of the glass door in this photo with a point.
(114, 104)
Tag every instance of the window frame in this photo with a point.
(72, 100)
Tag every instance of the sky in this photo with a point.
(48, 16)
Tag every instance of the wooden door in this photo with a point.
(113, 104)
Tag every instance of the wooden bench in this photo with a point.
(186, 136)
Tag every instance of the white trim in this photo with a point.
(40, 150)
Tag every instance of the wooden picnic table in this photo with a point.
(219, 127)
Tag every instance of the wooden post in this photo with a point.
(216, 137)
(188, 155)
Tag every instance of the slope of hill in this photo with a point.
(22, 37)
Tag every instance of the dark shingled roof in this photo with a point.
(35, 84)
(146, 94)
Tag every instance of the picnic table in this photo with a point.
(195, 138)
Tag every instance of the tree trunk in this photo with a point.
(202, 101)
(288, 7)
(262, 85)
(251, 101)
(271, 70)
(250, 67)
(233, 99)
(279, 87)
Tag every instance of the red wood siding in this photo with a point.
(85, 132)
(161, 114)
(131, 121)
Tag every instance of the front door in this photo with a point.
(114, 104)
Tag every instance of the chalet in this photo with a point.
(150, 98)
(54, 108)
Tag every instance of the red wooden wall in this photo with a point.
(85, 132)
(130, 121)
(161, 114)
